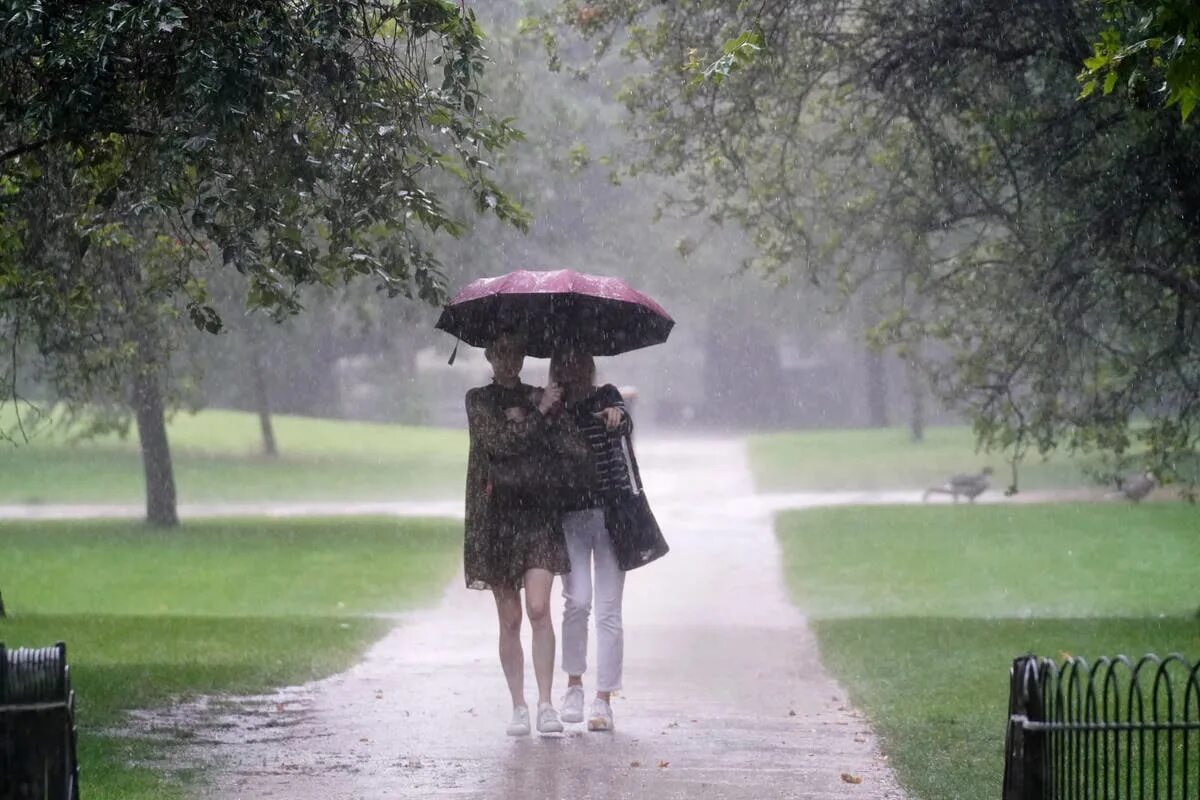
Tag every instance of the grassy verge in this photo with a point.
(886, 459)
(936, 688)
(239, 606)
(217, 459)
(919, 611)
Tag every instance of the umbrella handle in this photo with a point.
(454, 352)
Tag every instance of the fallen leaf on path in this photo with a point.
(673, 725)
(664, 764)
(859, 739)
(848, 778)
(279, 707)
(635, 764)
(792, 713)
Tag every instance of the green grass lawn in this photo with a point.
(217, 459)
(237, 606)
(919, 612)
(886, 459)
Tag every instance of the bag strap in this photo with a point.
(635, 475)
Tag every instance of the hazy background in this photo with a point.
(747, 353)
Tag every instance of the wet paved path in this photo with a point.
(724, 695)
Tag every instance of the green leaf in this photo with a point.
(748, 40)
(737, 53)
(205, 318)
(1187, 105)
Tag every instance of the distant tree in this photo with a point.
(1047, 243)
(299, 143)
(296, 366)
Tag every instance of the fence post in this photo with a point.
(6, 733)
(37, 725)
(1025, 750)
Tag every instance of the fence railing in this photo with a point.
(1112, 729)
(37, 725)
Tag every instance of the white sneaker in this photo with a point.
(572, 705)
(548, 721)
(600, 718)
(520, 722)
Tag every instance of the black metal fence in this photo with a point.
(37, 725)
(1115, 728)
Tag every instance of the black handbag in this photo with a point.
(637, 539)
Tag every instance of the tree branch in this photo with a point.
(21, 150)
(29, 147)
(1180, 285)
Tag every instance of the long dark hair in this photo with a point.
(566, 354)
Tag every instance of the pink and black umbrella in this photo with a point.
(603, 315)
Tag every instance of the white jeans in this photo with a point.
(588, 541)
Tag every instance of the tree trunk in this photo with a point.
(916, 397)
(156, 451)
(874, 365)
(916, 379)
(262, 401)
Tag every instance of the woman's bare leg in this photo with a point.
(538, 583)
(512, 657)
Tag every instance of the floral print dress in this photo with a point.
(501, 542)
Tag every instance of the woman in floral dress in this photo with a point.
(513, 544)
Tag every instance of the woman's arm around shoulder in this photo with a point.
(609, 396)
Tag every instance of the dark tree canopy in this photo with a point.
(296, 142)
(935, 154)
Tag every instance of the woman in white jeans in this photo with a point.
(595, 580)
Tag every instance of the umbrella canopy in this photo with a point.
(602, 315)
